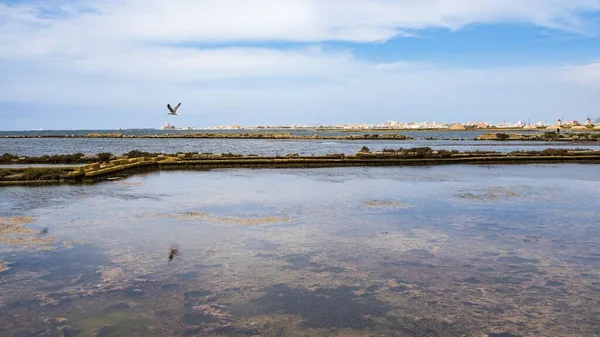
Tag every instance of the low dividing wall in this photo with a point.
(125, 167)
(96, 173)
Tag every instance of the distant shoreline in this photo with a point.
(315, 129)
(588, 135)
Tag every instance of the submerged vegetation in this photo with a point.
(14, 233)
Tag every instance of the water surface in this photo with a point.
(403, 251)
(262, 147)
(448, 140)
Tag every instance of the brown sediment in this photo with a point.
(252, 221)
(6, 223)
(441, 302)
(190, 215)
(125, 183)
(249, 221)
(72, 243)
(3, 266)
(383, 204)
(13, 233)
(112, 275)
(493, 193)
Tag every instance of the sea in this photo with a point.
(449, 140)
(458, 250)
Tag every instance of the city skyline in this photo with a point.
(400, 125)
(94, 64)
(390, 124)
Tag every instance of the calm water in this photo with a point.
(90, 146)
(436, 251)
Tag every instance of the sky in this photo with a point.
(107, 64)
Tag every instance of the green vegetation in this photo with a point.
(553, 152)
(400, 156)
(104, 156)
(420, 152)
(44, 173)
(4, 173)
(546, 136)
(45, 159)
(32, 173)
(137, 153)
(551, 135)
(594, 136)
(231, 155)
(61, 158)
(76, 158)
(8, 157)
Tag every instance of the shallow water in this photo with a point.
(433, 251)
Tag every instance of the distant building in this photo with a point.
(559, 122)
(167, 126)
(457, 126)
(588, 122)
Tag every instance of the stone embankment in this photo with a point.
(545, 137)
(186, 161)
(283, 136)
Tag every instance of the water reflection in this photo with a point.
(452, 250)
(173, 252)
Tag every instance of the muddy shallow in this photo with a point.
(435, 251)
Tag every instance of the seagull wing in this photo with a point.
(177, 107)
(170, 109)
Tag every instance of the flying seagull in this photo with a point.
(173, 111)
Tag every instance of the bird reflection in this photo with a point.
(173, 252)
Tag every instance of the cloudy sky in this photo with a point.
(102, 64)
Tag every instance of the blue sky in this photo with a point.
(104, 64)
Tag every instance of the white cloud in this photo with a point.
(312, 85)
(139, 53)
(86, 29)
(285, 20)
(584, 74)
